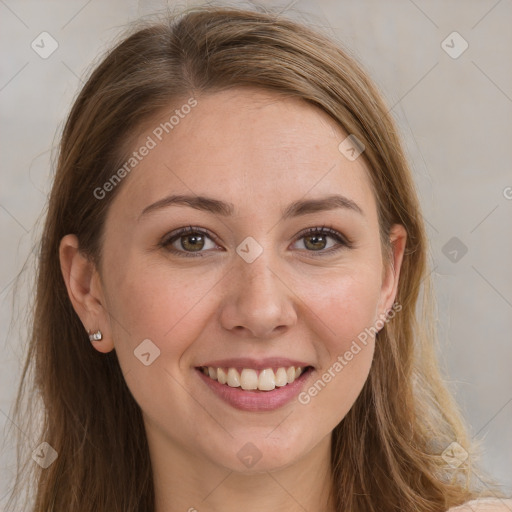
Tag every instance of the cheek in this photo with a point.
(347, 307)
(333, 392)
(170, 309)
(167, 306)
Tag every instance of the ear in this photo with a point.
(391, 271)
(84, 289)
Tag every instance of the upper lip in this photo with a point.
(256, 364)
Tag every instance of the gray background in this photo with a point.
(454, 114)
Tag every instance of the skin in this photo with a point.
(260, 152)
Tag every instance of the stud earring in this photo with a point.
(95, 336)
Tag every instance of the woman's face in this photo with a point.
(246, 289)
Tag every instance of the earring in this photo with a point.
(96, 336)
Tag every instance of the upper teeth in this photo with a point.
(248, 379)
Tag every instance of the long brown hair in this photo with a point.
(386, 453)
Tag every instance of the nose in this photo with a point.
(258, 303)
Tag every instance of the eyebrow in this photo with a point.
(295, 209)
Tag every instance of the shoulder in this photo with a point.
(485, 505)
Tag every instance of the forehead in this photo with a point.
(246, 146)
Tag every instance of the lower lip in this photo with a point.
(256, 400)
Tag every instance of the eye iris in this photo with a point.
(315, 239)
(194, 238)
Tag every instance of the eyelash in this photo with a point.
(343, 241)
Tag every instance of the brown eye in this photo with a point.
(192, 242)
(187, 241)
(317, 240)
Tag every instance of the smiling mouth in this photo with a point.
(249, 379)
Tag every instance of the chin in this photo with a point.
(259, 454)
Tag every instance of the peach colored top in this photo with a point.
(485, 505)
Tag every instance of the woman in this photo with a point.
(228, 285)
